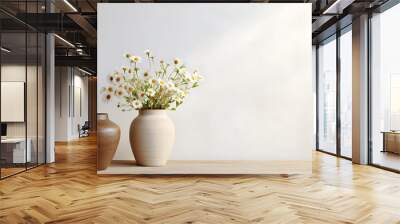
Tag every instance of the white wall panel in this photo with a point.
(256, 101)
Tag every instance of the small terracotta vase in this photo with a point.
(108, 135)
(152, 135)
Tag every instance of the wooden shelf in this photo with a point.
(121, 167)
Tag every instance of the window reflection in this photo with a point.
(346, 94)
(327, 96)
(22, 92)
(385, 81)
(14, 153)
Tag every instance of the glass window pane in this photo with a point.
(385, 93)
(13, 86)
(23, 89)
(346, 94)
(31, 97)
(32, 88)
(327, 96)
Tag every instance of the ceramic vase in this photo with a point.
(108, 135)
(152, 136)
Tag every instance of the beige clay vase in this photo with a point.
(108, 135)
(152, 135)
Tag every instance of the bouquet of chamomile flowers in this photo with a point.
(151, 84)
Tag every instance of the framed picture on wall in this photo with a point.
(12, 101)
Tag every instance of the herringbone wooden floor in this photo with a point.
(69, 191)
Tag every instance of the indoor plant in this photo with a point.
(152, 87)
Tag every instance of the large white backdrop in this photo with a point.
(256, 100)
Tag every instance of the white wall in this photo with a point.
(61, 103)
(66, 119)
(16, 72)
(256, 101)
(79, 117)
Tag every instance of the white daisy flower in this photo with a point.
(108, 97)
(187, 78)
(171, 85)
(196, 77)
(183, 94)
(137, 104)
(110, 89)
(177, 61)
(146, 75)
(161, 82)
(165, 86)
(118, 79)
(141, 95)
(150, 92)
(129, 89)
(135, 59)
(110, 78)
(119, 92)
(153, 82)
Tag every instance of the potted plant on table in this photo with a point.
(152, 87)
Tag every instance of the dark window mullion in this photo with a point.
(338, 91)
(26, 88)
(369, 91)
(317, 95)
(37, 90)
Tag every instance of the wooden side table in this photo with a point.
(391, 141)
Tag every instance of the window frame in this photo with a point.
(334, 37)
